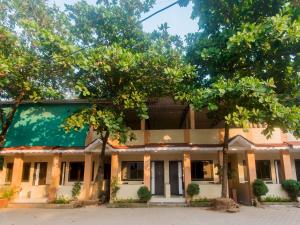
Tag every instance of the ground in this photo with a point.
(279, 215)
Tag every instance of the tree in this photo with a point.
(121, 65)
(32, 62)
(241, 44)
(239, 102)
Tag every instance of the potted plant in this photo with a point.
(5, 196)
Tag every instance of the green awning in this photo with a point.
(40, 125)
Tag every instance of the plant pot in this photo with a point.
(3, 203)
(298, 199)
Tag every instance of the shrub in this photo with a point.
(292, 187)
(193, 189)
(62, 200)
(114, 188)
(144, 194)
(259, 188)
(76, 190)
(6, 193)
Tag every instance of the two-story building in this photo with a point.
(174, 147)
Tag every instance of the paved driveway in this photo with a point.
(149, 216)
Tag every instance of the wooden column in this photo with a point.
(187, 170)
(87, 178)
(55, 177)
(143, 124)
(147, 169)
(286, 166)
(192, 118)
(251, 169)
(17, 173)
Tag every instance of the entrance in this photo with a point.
(157, 179)
(175, 176)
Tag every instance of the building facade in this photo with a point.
(172, 149)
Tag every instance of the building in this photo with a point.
(175, 147)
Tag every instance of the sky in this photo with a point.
(177, 18)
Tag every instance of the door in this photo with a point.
(40, 173)
(159, 178)
(297, 165)
(175, 177)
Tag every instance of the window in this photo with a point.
(9, 170)
(26, 172)
(1, 162)
(132, 170)
(76, 171)
(263, 169)
(40, 173)
(202, 170)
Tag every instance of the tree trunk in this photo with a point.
(225, 163)
(7, 122)
(100, 173)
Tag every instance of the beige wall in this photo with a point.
(166, 136)
(209, 191)
(204, 136)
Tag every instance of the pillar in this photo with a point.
(114, 172)
(286, 166)
(192, 118)
(187, 170)
(251, 170)
(90, 136)
(143, 124)
(147, 169)
(220, 162)
(87, 178)
(186, 136)
(17, 173)
(55, 177)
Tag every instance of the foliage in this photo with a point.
(7, 193)
(292, 187)
(247, 58)
(200, 202)
(275, 199)
(193, 189)
(259, 188)
(114, 185)
(76, 190)
(144, 194)
(62, 200)
(129, 200)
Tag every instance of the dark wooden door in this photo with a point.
(297, 165)
(174, 181)
(159, 178)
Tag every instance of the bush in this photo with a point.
(193, 189)
(76, 190)
(144, 194)
(62, 200)
(292, 187)
(7, 193)
(259, 188)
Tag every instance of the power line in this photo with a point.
(159, 11)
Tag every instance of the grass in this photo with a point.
(275, 199)
(62, 200)
(200, 202)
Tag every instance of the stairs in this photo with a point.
(170, 202)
